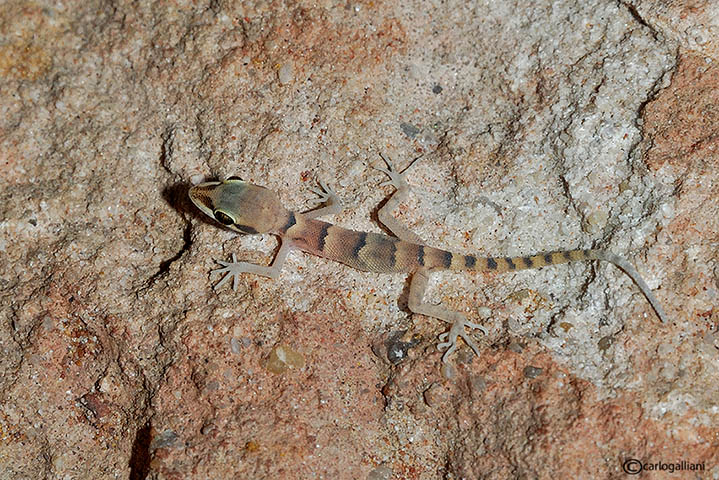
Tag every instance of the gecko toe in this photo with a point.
(457, 330)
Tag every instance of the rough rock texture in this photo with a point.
(541, 125)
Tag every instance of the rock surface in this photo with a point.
(541, 125)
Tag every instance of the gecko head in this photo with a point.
(240, 206)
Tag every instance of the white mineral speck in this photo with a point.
(286, 73)
(235, 345)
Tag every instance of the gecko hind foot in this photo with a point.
(449, 339)
(396, 179)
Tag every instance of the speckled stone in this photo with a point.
(540, 125)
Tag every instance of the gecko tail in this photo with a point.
(629, 269)
(510, 264)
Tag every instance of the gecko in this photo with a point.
(251, 209)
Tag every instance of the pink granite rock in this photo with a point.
(541, 125)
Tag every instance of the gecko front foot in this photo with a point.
(325, 195)
(449, 339)
(328, 196)
(232, 271)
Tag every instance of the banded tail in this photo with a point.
(510, 264)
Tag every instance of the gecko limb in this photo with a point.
(233, 269)
(417, 287)
(325, 195)
(397, 180)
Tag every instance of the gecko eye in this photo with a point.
(234, 177)
(223, 218)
